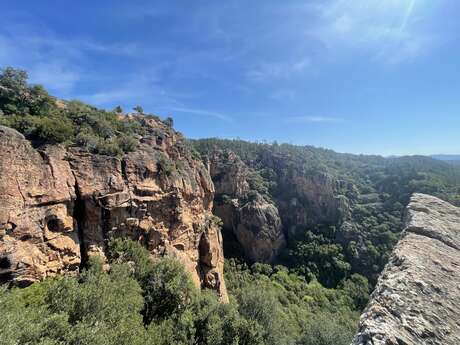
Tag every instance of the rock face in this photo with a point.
(38, 234)
(252, 218)
(310, 200)
(300, 200)
(58, 206)
(416, 298)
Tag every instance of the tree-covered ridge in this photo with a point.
(44, 119)
(140, 301)
(368, 172)
(371, 192)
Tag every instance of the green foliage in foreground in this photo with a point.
(139, 301)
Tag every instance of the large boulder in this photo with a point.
(416, 298)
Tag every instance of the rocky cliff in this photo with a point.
(416, 298)
(251, 217)
(262, 210)
(60, 205)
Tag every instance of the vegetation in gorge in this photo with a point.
(373, 189)
(140, 301)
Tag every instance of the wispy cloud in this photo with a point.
(312, 119)
(55, 75)
(202, 112)
(138, 88)
(278, 70)
(57, 62)
(44, 67)
(386, 29)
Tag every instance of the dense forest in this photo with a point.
(372, 192)
(312, 294)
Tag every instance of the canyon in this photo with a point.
(61, 205)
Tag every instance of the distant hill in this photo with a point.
(452, 159)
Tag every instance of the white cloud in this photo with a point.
(55, 75)
(202, 112)
(131, 90)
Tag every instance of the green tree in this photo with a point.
(169, 122)
(168, 291)
(325, 329)
(138, 109)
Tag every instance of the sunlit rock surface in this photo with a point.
(416, 300)
(58, 206)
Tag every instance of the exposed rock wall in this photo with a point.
(252, 218)
(300, 200)
(38, 234)
(304, 198)
(59, 206)
(416, 298)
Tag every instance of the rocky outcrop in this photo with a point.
(416, 298)
(251, 217)
(58, 206)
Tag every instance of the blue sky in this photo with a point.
(360, 76)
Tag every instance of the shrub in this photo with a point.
(167, 288)
(96, 308)
(165, 166)
(126, 143)
(126, 251)
(168, 291)
(138, 109)
(169, 122)
(325, 329)
(109, 148)
(30, 110)
(54, 130)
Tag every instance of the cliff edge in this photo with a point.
(416, 298)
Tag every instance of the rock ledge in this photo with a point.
(416, 297)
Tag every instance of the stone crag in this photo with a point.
(416, 298)
(252, 218)
(58, 206)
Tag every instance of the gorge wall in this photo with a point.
(265, 201)
(60, 205)
(416, 298)
(251, 217)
